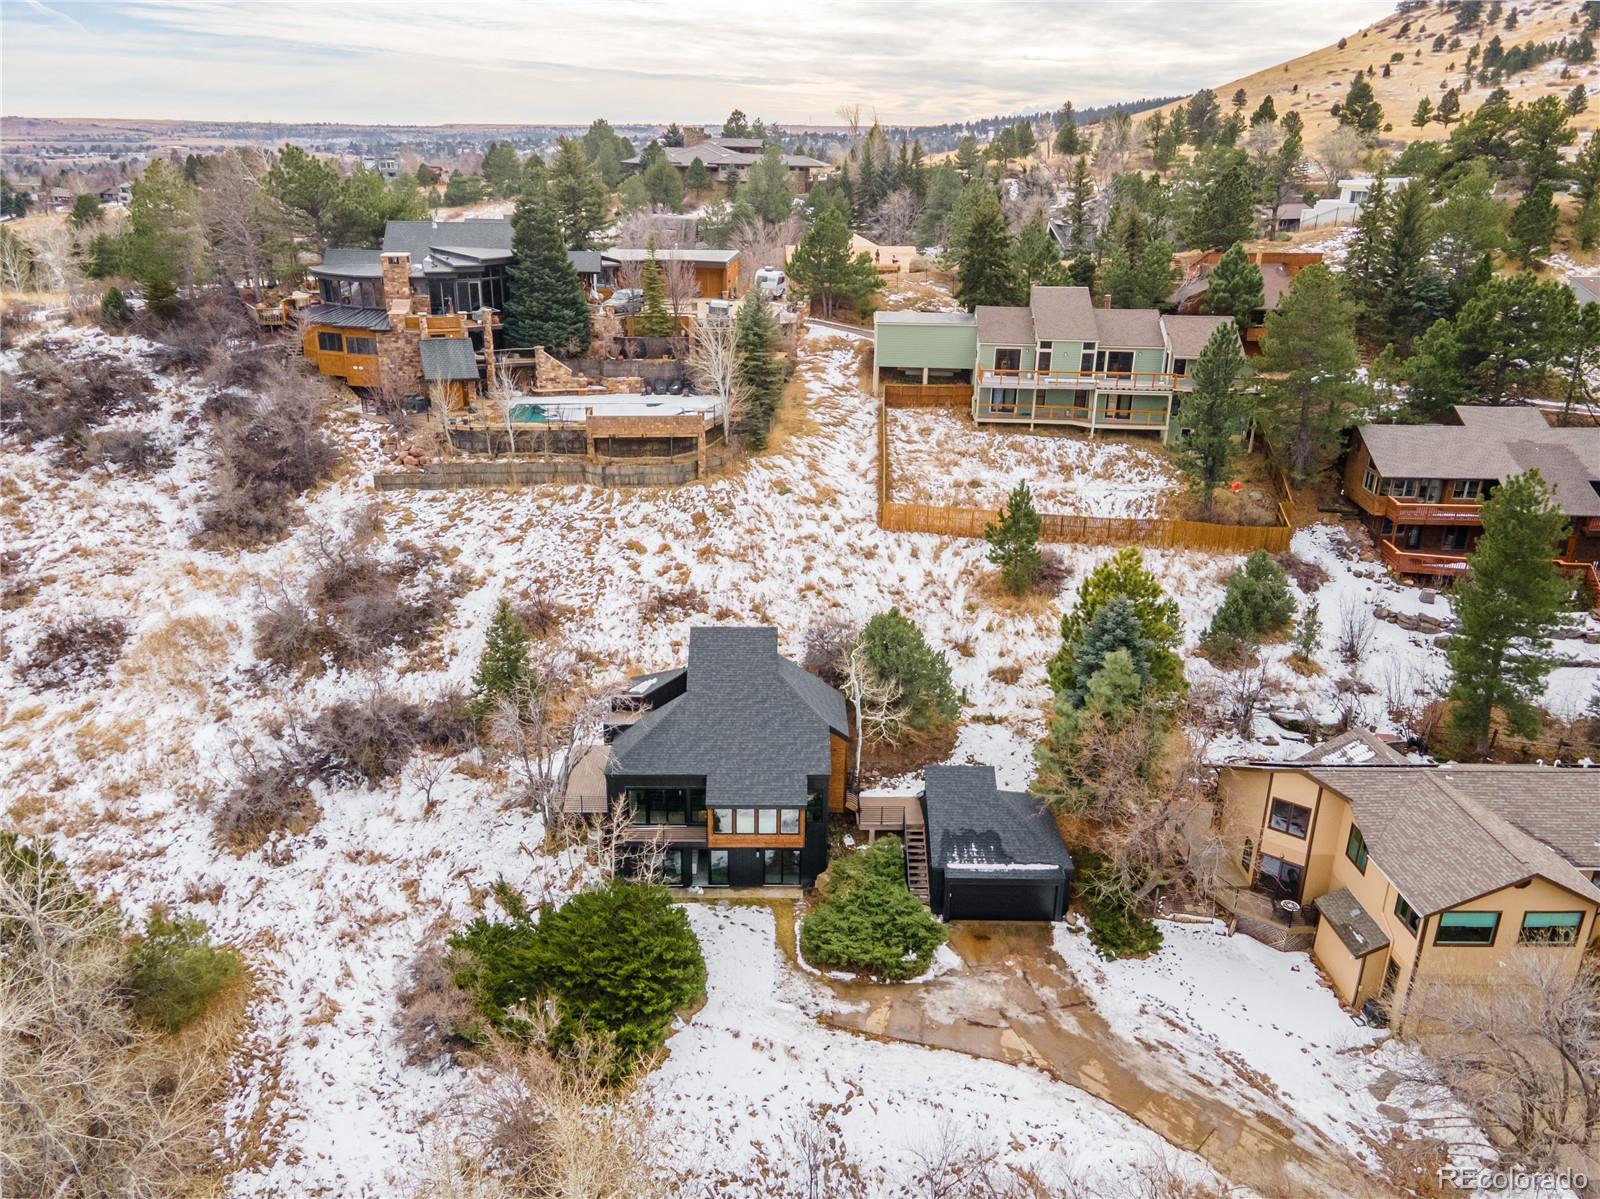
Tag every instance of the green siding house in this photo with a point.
(1057, 361)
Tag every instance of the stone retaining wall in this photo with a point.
(448, 476)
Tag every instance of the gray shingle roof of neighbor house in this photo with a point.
(1003, 326)
(732, 152)
(1437, 845)
(975, 827)
(1188, 334)
(1358, 931)
(1133, 328)
(448, 358)
(1063, 313)
(751, 722)
(417, 238)
(343, 316)
(1557, 805)
(1494, 443)
(1357, 747)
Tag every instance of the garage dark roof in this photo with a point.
(1357, 931)
(974, 828)
(344, 316)
(448, 358)
(752, 723)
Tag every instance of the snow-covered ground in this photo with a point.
(940, 458)
(119, 773)
(745, 1077)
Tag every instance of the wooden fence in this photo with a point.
(1155, 532)
(933, 395)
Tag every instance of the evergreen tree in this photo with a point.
(1204, 118)
(1068, 141)
(1533, 225)
(672, 135)
(114, 308)
(1423, 117)
(578, 193)
(1124, 575)
(1577, 100)
(897, 653)
(990, 271)
(1234, 288)
(1214, 413)
(766, 188)
(653, 320)
(545, 305)
(1222, 205)
(1364, 261)
(1255, 605)
(1586, 178)
(1542, 130)
(502, 672)
(162, 247)
(944, 189)
(465, 189)
(823, 269)
(1040, 255)
(1014, 541)
(1265, 114)
(967, 156)
(1449, 108)
(633, 195)
(502, 169)
(1078, 206)
(756, 346)
(697, 178)
(1506, 605)
(1468, 224)
(665, 185)
(1308, 371)
(86, 210)
(1140, 279)
(1361, 110)
(1075, 772)
(1500, 346)
(1406, 298)
(1113, 628)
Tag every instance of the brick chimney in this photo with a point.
(396, 280)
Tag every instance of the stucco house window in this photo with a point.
(1356, 849)
(1406, 914)
(1467, 928)
(1289, 818)
(1550, 928)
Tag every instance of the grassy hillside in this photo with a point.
(1323, 76)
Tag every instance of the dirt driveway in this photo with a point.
(1015, 1001)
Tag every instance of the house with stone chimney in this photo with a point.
(431, 280)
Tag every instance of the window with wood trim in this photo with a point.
(1370, 480)
(330, 343)
(361, 345)
(1467, 928)
(1289, 818)
(1356, 849)
(1550, 928)
(1466, 489)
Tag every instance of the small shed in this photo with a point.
(992, 854)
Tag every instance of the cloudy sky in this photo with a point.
(791, 61)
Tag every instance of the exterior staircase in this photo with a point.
(916, 849)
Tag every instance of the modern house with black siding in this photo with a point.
(731, 764)
(992, 854)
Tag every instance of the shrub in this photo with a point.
(1116, 928)
(897, 653)
(827, 648)
(361, 740)
(174, 970)
(78, 649)
(270, 796)
(434, 1017)
(61, 395)
(868, 921)
(1256, 605)
(619, 961)
(114, 309)
(139, 451)
(673, 603)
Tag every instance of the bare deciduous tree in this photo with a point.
(1335, 152)
(894, 221)
(231, 214)
(881, 710)
(1356, 626)
(714, 366)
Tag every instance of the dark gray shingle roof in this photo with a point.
(417, 238)
(973, 826)
(1557, 805)
(1358, 931)
(448, 358)
(753, 724)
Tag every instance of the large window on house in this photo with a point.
(1046, 354)
(1370, 480)
(1401, 489)
(1279, 877)
(1467, 928)
(1406, 915)
(1086, 360)
(1550, 928)
(789, 821)
(330, 343)
(360, 345)
(1289, 818)
(1454, 537)
(357, 293)
(782, 867)
(667, 805)
(754, 821)
(718, 874)
(1356, 849)
(1465, 489)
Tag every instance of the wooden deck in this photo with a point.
(1257, 915)
(586, 785)
(902, 816)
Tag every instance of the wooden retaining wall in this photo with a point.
(934, 395)
(443, 476)
(1155, 532)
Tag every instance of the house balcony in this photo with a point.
(1078, 415)
(667, 834)
(1411, 512)
(1160, 381)
(1413, 562)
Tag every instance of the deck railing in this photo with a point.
(1077, 414)
(888, 818)
(1413, 562)
(1412, 512)
(1079, 380)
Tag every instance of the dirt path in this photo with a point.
(1016, 1002)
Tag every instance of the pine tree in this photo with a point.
(697, 178)
(1213, 414)
(1266, 112)
(1078, 206)
(1364, 261)
(633, 195)
(1533, 225)
(967, 156)
(1586, 177)
(162, 247)
(1361, 110)
(1222, 209)
(545, 305)
(653, 320)
(944, 189)
(1449, 108)
(1067, 139)
(1115, 626)
(1014, 541)
(1124, 575)
(756, 345)
(502, 169)
(990, 271)
(897, 653)
(578, 193)
(502, 672)
(1577, 100)
(1308, 371)
(1423, 117)
(766, 187)
(1255, 605)
(823, 268)
(114, 308)
(1234, 287)
(1101, 760)
(1506, 605)
(665, 185)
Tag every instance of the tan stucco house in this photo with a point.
(1419, 873)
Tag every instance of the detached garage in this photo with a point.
(992, 854)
